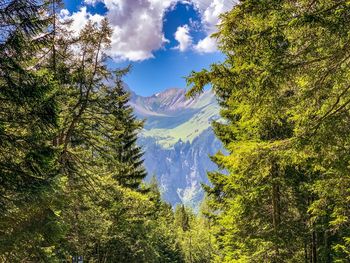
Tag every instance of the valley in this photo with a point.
(177, 140)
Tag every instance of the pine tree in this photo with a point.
(100, 163)
(70, 169)
(128, 154)
(284, 96)
(84, 179)
(28, 120)
(193, 235)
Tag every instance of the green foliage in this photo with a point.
(284, 96)
(71, 172)
(28, 119)
(194, 235)
(107, 214)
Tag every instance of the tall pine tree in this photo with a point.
(28, 119)
(284, 95)
(127, 153)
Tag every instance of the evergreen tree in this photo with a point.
(100, 163)
(182, 218)
(28, 119)
(284, 96)
(193, 234)
(70, 169)
(127, 153)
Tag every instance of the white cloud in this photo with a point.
(210, 11)
(206, 45)
(182, 35)
(64, 13)
(138, 25)
(80, 18)
(90, 2)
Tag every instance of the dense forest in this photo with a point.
(72, 175)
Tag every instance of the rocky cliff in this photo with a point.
(177, 140)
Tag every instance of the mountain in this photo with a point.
(177, 139)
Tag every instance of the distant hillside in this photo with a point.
(172, 117)
(178, 140)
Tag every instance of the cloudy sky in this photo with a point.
(164, 40)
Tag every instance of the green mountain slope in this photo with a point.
(172, 117)
(177, 140)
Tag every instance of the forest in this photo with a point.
(72, 175)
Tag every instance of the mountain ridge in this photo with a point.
(177, 140)
(168, 102)
(172, 116)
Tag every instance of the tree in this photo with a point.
(193, 234)
(284, 96)
(123, 139)
(28, 120)
(103, 207)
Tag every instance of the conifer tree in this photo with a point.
(100, 163)
(123, 142)
(284, 96)
(28, 119)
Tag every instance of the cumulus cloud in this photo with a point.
(80, 18)
(90, 2)
(210, 11)
(206, 45)
(182, 35)
(138, 25)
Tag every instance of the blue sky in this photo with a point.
(164, 47)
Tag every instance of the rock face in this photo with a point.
(177, 140)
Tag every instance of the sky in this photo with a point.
(163, 40)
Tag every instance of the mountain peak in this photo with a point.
(172, 91)
(169, 102)
(164, 93)
(162, 103)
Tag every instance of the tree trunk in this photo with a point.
(190, 247)
(306, 252)
(314, 248)
(327, 255)
(276, 206)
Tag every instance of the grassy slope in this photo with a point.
(206, 108)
